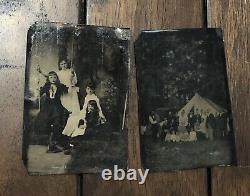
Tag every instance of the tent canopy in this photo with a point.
(200, 104)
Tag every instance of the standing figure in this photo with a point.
(197, 119)
(67, 77)
(222, 125)
(163, 126)
(191, 121)
(52, 115)
(203, 126)
(211, 125)
(153, 124)
(183, 121)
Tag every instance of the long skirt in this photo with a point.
(72, 127)
(70, 100)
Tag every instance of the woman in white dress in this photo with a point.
(203, 126)
(183, 122)
(68, 77)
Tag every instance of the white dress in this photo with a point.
(203, 126)
(71, 129)
(88, 98)
(69, 101)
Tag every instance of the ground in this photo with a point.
(163, 156)
(94, 155)
(39, 161)
(94, 152)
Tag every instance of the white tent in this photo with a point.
(200, 105)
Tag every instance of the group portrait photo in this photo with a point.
(75, 98)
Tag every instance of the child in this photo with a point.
(163, 128)
(73, 128)
(92, 118)
(52, 113)
(91, 96)
(67, 77)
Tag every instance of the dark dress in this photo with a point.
(191, 122)
(52, 116)
(92, 120)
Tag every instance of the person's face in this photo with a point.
(90, 108)
(52, 79)
(63, 65)
(89, 91)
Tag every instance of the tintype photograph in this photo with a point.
(75, 98)
(184, 104)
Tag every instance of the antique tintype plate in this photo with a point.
(184, 106)
(75, 98)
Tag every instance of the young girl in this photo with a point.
(52, 115)
(73, 128)
(67, 77)
(90, 90)
(92, 117)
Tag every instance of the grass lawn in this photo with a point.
(162, 155)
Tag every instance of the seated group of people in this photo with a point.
(160, 129)
(174, 128)
(170, 128)
(181, 136)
